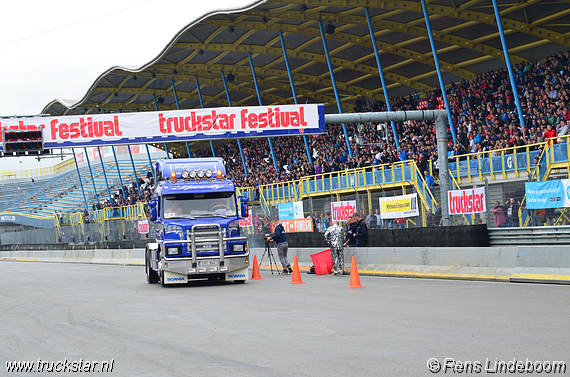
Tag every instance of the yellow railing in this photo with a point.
(38, 172)
(493, 153)
(69, 163)
(133, 212)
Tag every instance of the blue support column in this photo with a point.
(134, 170)
(150, 162)
(230, 105)
(79, 175)
(104, 173)
(261, 104)
(438, 69)
(119, 172)
(508, 61)
(91, 172)
(156, 108)
(202, 105)
(384, 89)
(334, 85)
(178, 108)
(293, 91)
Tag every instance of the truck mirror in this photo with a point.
(244, 210)
(152, 208)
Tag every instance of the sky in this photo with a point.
(56, 49)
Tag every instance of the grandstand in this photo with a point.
(62, 192)
(482, 108)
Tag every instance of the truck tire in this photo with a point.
(151, 275)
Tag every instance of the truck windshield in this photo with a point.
(192, 205)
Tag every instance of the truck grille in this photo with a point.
(206, 238)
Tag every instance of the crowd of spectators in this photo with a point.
(484, 115)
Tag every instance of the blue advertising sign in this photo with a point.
(549, 194)
(290, 211)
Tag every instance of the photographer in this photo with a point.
(282, 246)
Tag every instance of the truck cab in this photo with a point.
(196, 216)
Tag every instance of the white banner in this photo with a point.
(401, 206)
(467, 201)
(176, 125)
(343, 210)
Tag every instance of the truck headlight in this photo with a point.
(184, 174)
(208, 173)
(192, 174)
(172, 250)
(200, 173)
(238, 247)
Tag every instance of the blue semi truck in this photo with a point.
(196, 219)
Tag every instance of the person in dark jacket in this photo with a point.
(360, 233)
(350, 232)
(280, 240)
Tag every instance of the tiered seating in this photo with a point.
(64, 191)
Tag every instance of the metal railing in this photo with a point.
(544, 235)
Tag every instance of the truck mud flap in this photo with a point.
(241, 274)
(172, 278)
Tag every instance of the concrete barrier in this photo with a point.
(430, 262)
(541, 264)
(101, 256)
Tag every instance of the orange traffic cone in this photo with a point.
(255, 273)
(296, 273)
(354, 278)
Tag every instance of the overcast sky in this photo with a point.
(56, 49)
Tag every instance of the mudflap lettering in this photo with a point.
(241, 274)
(172, 278)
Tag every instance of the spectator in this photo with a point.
(430, 219)
(499, 216)
(438, 217)
(360, 233)
(350, 232)
(512, 212)
(378, 219)
(371, 220)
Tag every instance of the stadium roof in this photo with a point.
(465, 32)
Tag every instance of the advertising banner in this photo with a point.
(343, 210)
(177, 125)
(399, 206)
(143, 226)
(549, 194)
(289, 211)
(297, 225)
(467, 201)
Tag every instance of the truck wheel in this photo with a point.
(151, 275)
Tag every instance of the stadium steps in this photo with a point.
(64, 193)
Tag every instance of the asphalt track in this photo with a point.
(270, 328)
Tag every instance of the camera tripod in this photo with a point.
(272, 261)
